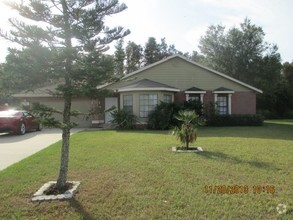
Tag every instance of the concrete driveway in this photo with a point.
(14, 148)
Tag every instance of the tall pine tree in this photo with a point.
(76, 34)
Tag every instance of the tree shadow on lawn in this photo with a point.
(80, 209)
(267, 131)
(235, 160)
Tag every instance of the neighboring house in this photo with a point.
(174, 79)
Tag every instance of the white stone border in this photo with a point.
(40, 196)
(198, 149)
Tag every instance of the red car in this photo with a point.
(18, 122)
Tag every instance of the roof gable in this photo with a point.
(141, 71)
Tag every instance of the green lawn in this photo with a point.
(134, 175)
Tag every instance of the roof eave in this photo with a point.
(31, 96)
(195, 92)
(148, 89)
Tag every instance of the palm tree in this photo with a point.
(187, 132)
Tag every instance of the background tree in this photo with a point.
(119, 58)
(287, 71)
(133, 56)
(154, 52)
(76, 35)
(195, 56)
(27, 68)
(239, 52)
(151, 51)
(243, 54)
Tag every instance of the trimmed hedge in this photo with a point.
(163, 116)
(235, 120)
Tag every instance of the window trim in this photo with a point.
(229, 94)
(128, 106)
(148, 110)
(167, 95)
(225, 107)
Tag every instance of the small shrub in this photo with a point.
(186, 133)
(194, 105)
(123, 119)
(162, 117)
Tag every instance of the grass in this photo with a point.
(134, 175)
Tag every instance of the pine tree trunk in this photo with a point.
(62, 178)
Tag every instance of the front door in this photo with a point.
(109, 103)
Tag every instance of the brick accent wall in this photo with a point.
(179, 97)
(208, 98)
(244, 103)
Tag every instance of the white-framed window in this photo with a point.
(194, 97)
(222, 104)
(147, 103)
(128, 103)
(167, 98)
(191, 96)
(223, 101)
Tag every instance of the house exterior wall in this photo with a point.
(208, 98)
(179, 98)
(243, 103)
(183, 75)
(82, 105)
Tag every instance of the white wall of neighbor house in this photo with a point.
(136, 101)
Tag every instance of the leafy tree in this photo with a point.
(2, 84)
(27, 68)
(195, 56)
(133, 56)
(243, 54)
(76, 35)
(119, 57)
(240, 52)
(287, 70)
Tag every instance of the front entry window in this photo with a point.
(147, 103)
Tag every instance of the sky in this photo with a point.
(183, 22)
